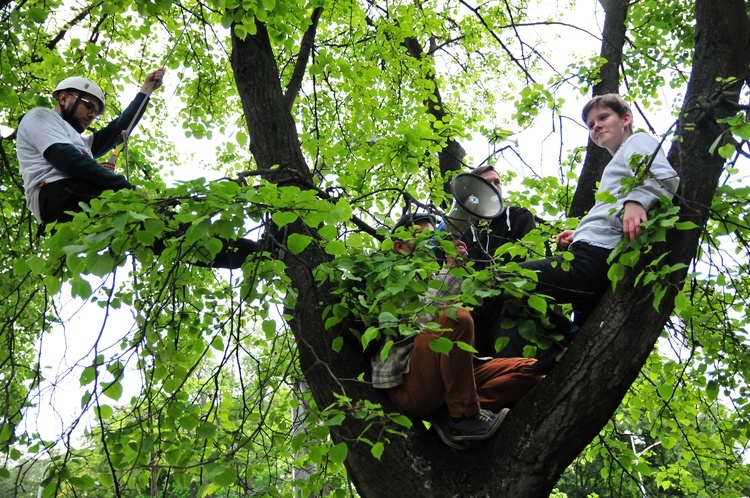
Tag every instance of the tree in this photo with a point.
(346, 109)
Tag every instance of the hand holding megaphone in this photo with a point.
(474, 199)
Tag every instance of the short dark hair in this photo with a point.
(610, 100)
(479, 170)
(413, 218)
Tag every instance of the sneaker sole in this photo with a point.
(440, 424)
(481, 437)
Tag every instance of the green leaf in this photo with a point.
(668, 442)
(282, 218)
(529, 351)
(402, 420)
(189, 422)
(97, 237)
(298, 242)
(716, 143)
(75, 249)
(386, 349)
(105, 412)
(214, 245)
(538, 303)
(377, 450)
(441, 345)
(712, 390)
(269, 329)
(665, 391)
(681, 301)
(466, 347)
(643, 468)
(87, 375)
(80, 287)
(105, 479)
(328, 232)
(336, 248)
(341, 212)
(38, 15)
(100, 264)
(370, 334)
(171, 385)
(207, 430)
(726, 151)
(387, 319)
(112, 390)
(222, 474)
(50, 489)
(85, 399)
(500, 343)
(685, 225)
(53, 284)
(320, 432)
(338, 452)
(659, 293)
(241, 138)
(630, 258)
(337, 344)
(616, 273)
(335, 419)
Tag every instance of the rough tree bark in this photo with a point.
(550, 427)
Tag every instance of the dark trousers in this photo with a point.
(581, 285)
(58, 199)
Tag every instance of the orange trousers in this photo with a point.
(457, 379)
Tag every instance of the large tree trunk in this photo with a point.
(550, 427)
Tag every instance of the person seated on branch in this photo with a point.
(57, 162)
(419, 380)
(482, 242)
(510, 226)
(634, 181)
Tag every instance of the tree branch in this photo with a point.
(513, 58)
(306, 46)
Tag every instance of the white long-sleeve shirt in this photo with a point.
(602, 226)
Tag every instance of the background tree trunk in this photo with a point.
(613, 40)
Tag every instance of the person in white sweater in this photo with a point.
(610, 123)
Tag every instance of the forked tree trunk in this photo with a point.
(552, 425)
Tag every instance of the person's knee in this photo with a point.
(461, 323)
(463, 317)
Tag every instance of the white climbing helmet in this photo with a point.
(81, 84)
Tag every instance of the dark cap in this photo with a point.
(409, 219)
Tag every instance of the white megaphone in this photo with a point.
(474, 199)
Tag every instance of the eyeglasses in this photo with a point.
(90, 106)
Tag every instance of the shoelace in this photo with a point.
(488, 414)
(484, 416)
